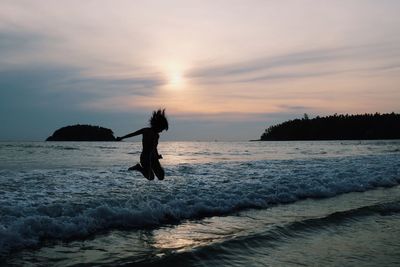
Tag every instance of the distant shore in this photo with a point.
(336, 127)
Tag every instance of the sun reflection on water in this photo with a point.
(189, 235)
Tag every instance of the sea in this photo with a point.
(310, 203)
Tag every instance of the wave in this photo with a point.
(261, 242)
(310, 224)
(66, 148)
(61, 205)
(393, 150)
(134, 153)
(107, 147)
(253, 242)
(24, 146)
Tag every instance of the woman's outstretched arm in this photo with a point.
(138, 132)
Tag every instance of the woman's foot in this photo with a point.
(137, 167)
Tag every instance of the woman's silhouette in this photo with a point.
(149, 158)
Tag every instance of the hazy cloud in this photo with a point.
(11, 42)
(302, 64)
(43, 85)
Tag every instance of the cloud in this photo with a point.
(18, 47)
(310, 63)
(251, 66)
(17, 41)
(54, 85)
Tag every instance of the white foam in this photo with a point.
(64, 204)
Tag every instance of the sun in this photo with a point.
(176, 79)
(175, 76)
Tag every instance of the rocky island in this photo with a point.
(336, 127)
(82, 133)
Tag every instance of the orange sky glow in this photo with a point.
(240, 61)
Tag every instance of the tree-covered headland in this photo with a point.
(336, 127)
(82, 133)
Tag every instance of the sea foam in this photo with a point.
(66, 204)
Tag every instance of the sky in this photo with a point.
(224, 70)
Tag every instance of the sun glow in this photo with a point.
(175, 77)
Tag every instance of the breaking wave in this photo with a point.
(59, 205)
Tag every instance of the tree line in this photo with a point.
(336, 127)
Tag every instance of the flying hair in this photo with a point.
(158, 120)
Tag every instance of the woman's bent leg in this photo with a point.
(157, 169)
(146, 167)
